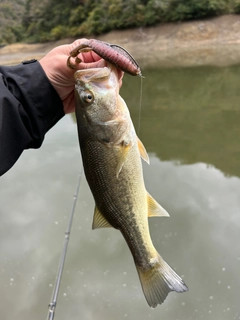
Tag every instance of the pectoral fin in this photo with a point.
(154, 208)
(99, 221)
(124, 147)
(143, 151)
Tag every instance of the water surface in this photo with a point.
(190, 127)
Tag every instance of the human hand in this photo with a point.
(61, 76)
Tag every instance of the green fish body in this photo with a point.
(111, 153)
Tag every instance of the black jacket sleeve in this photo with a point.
(29, 107)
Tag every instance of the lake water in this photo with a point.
(190, 126)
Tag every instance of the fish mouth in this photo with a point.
(98, 74)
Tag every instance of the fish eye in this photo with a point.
(87, 97)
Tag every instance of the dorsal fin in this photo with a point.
(99, 221)
(143, 151)
(155, 209)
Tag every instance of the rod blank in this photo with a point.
(53, 304)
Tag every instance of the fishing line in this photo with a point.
(140, 107)
(53, 303)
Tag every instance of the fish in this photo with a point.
(111, 154)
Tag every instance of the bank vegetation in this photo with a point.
(48, 20)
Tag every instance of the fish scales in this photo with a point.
(111, 194)
(111, 153)
(118, 194)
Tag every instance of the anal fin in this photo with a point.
(99, 221)
(155, 209)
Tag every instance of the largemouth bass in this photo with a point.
(111, 154)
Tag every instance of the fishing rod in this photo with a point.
(53, 303)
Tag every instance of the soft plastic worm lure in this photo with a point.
(112, 53)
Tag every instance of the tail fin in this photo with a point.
(158, 281)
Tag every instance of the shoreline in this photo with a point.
(210, 42)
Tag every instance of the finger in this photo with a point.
(90, 56)
(77, 43)
(69, 104)
(86, 57)
(120, 74)
(96, 64)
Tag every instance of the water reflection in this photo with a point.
(190, 115)
(190, 128)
